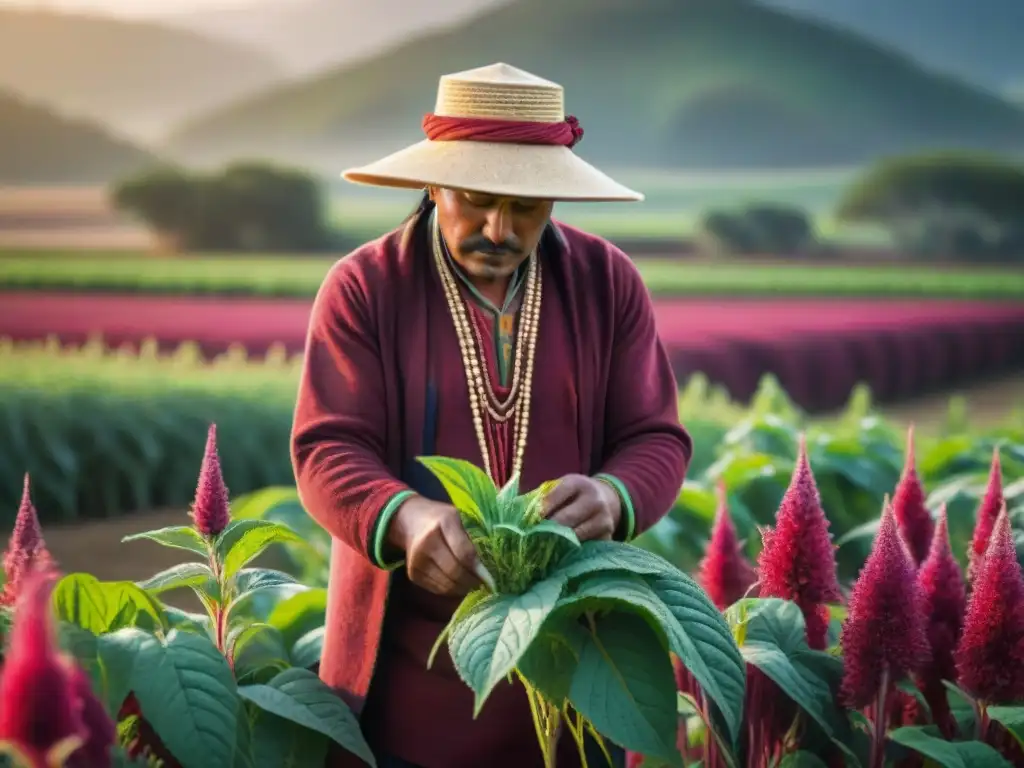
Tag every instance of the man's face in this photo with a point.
(490, 236)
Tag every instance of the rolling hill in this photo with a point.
(137, 77)
(704, 84)
(38, 146)
(977, 40)
(307, 36)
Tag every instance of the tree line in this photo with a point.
(933, 205)
(939, 204)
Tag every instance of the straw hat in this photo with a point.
(497, 93)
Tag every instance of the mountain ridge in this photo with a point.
(39, 146)
(138, 77)
(702, 84)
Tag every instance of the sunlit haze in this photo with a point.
(132, 8)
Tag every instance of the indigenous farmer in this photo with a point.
(480, 329)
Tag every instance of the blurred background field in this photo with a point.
(833, 232)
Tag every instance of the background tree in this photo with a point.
(943, 203)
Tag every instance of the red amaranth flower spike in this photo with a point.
(883, 637)
(725, 574)
(26, 550)
(943, 602)
(210, 511)
(985, 519)
(101, 730)
(798, 560)
(914, 520)
(40, 713)
(990, 656)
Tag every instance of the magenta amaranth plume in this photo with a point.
(985, 520)
(26, 549)
(943, 602)
(798, 561)
(725, 574)
(990, 655)
(883, 637)
(912, 517)
(210, 510)
(47, 710)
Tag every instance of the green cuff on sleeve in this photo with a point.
(628, 521)
(380, 530)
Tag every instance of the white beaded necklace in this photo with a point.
(481, 393)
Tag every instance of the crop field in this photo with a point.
(819, 349)
(103, 432)
(284, 275)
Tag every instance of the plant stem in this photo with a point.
(547, 721)
(881, 722)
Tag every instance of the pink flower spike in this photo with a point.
(39, 712)
(797, 560)
(883, 637)
(914, 520)
(210, 510)
(943, 602)
(990, 656)
(725, 574)
(985, 519)
(26, 550)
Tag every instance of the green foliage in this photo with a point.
(297, 275)
(757, 229)
(230, 686)
(950, 203)
(102, 432)
(618, 610)
(248, 207)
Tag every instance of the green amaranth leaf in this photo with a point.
(551, 528)
(117, 653)
(255, 647)
(1011, 718)
(177, 576)
(774, 641)
(625, 686)
(469, 488)
(487, 643)
(187, 693)
(550, 662)
(718, 666)
(301, 697)
(252, 583)
(105, 606)
(926, 741)
(298, 614)
(307, 650)
(176, 536)
(244, 540)
(279, 743)
(508, 494)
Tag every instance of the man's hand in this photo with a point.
(590, 507)
(439, 556)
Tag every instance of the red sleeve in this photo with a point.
(646, 448)
(337, 440)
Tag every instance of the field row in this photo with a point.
(295, 276)
(818, 349)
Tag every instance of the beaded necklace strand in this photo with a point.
(482, 399)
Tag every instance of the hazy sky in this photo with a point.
(131, 8)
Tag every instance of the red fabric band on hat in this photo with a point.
(440, 128)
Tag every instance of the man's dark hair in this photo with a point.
(423, 205)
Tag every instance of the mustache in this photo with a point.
(481, 244)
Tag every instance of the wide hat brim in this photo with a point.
(514, 170)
